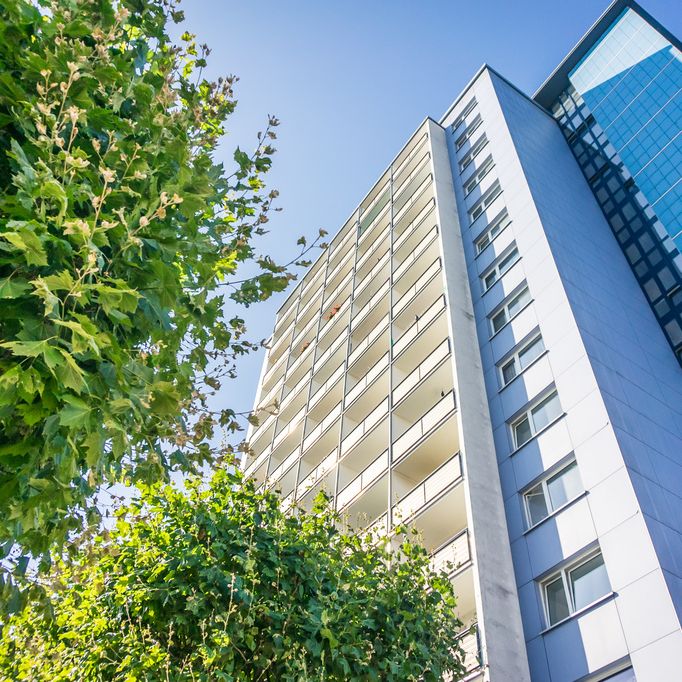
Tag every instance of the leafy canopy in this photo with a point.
(117, 231)
(220, 584)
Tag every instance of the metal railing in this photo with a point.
(434, 358)
(365, 426)
(363, 480)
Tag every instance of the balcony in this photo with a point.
(420, 283)
(406, 169)
(358, 349)
(290, 431)
(378, 273)
(333, 316)
(445, 477)
(336, 345)
(412, 193)
(412, 228)
(470, 643)
(380, 244)
(367, 379)
(338, 249)
(275, 373)
(307, 333)
(453, 555)
(418, 168)
(310, 292)
(256, 463)
(326, 423)
(374, 209)
(340, 270)
(301, 360)
(332, 295)
(412, 148)
(363, 481)
(364, 427)
(424, 320)
(284, 467)
(423, 370)
(323, 390)
(437, 414)
(369, 306)
(427, 245)
(318, 473)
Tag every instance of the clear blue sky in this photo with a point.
(351, 80)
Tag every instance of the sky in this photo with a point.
(351, 81)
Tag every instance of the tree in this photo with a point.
(217, 583)
(118, 235)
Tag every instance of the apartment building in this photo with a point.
(476, 355)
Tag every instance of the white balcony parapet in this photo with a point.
(295, 390)
(352, 230)
(372, 274)
(331, 296)
(368, 340)
(418, 145)
(367, 379)
(334, 271)
(334, 319)
(379, 194)
(424, 244)
(432, 312)
(322, 426)
(415, 196)
(269, 399)
(289, 428)
(302, 355)
(256, 462)
(374, 222)
(321, 470)
(413, 173)
(309, 325)
(287, 502)
(324, 389)
(412, 292)
(429, 489)
(263, 427)
(365, 426)
(416, 375)
(452, 555)
(286, 464)
(414, 224)
(284, 334)
(381, 240)
(307, 284)
(363, 480)
(472, 652)
(274, 369)
(369, 306)
(438, 412)
(335, 345)
(379, 526)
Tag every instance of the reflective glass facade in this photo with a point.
(622, 115)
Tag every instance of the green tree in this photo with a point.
(217, 583)
(118, 229)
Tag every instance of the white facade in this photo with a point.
(473, 356)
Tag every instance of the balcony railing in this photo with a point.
(348, 236)
(413, 378)
(363, 480)
(289, 428)
(321, 470)
(452, 555)
(256, 462)
(302, 355)
(371, 275)
(414, 224)
(418, 145)
(335, 270)
(397, 188)
(432, 418)
(365, 426)
(329, 324)
(263, 427)
(378, 527)
(270, 397)
(470, 643)
(322, 391)
(322, 426)
(411, 201)
(331, 297)
(413, 332)
(295, 391)
(425, 277)
(421, 247)
(274, 369)
(368, 340)
(309, 325)
(335, 345)
(286, 464)
(428, 490)
(370, 305)
(381, 241)
(374, 210)
(367, 379)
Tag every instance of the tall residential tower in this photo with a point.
(484, 353)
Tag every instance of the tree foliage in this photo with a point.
(219, 584)
(117, 231)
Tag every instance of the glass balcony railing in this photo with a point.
(374, 209)
(368, 340)
(432, 418)
(432, 312)
(428, 490)
(424, 244)
(319, 472)
(424, 278)
(326, 386)
(364, 427)
(289, 428)
(367, 379)
(453, 554)
(286, 464)
(419, 144)
(363, 480)
(422, 370)
(369, 306)
(322, 427)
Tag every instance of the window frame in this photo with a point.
(476, 149)
(543, 483)
(564, 574)
(515, 358)
(485, 202)
(504, 307)
(477, 176)
(495, 267)
(494, 223)
(470, 106)
(468, 132)
(527, 415)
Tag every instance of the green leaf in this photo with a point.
(71, 374)
(76, 412)
(164, 398)
(13, 288)
(27, 241)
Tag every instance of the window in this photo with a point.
(535, 419)
(574, 588)
(473, 181)
(466, 111)
(462, 139)
(524, 356)
(485, 201)
(552, 493)
(500, 266)
(496, 226)
(510, 310)
(473, 152)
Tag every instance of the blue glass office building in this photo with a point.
(618, 98)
